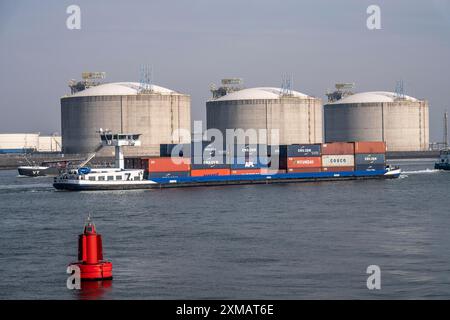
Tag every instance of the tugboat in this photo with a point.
(47, 168)
(444, 160)
(118, 178)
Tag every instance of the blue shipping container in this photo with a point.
(370, 167)
(365, 158)
(304, 150)
(243, 150)
(249, 163)
(277, 150)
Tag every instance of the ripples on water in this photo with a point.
(311, 240)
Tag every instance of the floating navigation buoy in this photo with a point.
(90, 255)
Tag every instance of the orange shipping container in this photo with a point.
(337, 169)
(294, 170)
(247, 171)
(304, 162)
(335, 148)
(167, 164)
(370, 147)
(210, 172)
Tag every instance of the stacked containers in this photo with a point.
(370, 156)
(208, 160)
(338, 156)
(278, 158)
(175, 150)
(249, 159)
(304, 158)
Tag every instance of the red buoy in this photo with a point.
(90, 255)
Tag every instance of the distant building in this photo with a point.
(29, 142)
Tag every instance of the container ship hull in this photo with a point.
(170, 182)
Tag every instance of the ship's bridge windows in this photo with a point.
(92, 178)
(110, 178)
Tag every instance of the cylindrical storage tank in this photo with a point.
(400, 121)
(123, 107)
(298, 117)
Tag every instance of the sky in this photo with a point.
(192, 44)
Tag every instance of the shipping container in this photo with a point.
(209, 172)
(370, 167)
(209, 162)
(249, 150)
(304, 150)
(338, 148)
(370, 147)
(175, 150)
(277, 150)
(167, 164)
(304, 162)
(297, 170)
(338, 160)
(372, 158)
(207, 153)
(337, 169)
(249, 163)
(247, 171)
(173, 174)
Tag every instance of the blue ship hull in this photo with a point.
(179, 182)
(267, 178)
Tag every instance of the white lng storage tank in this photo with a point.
(399, 120)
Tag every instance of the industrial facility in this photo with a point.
(29, 142)
(397, 119)
(297, 116)
(129, 107)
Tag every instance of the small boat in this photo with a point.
(47, 168)
(444, 160)
(32, 171)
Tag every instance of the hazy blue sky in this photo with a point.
(191, 44)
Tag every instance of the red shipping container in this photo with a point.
(168, 164)
(337, 169)
(294, 170)
(370, 147)
(210, 172)
(304, 162)
(335, 148)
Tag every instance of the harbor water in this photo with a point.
(286, 241)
